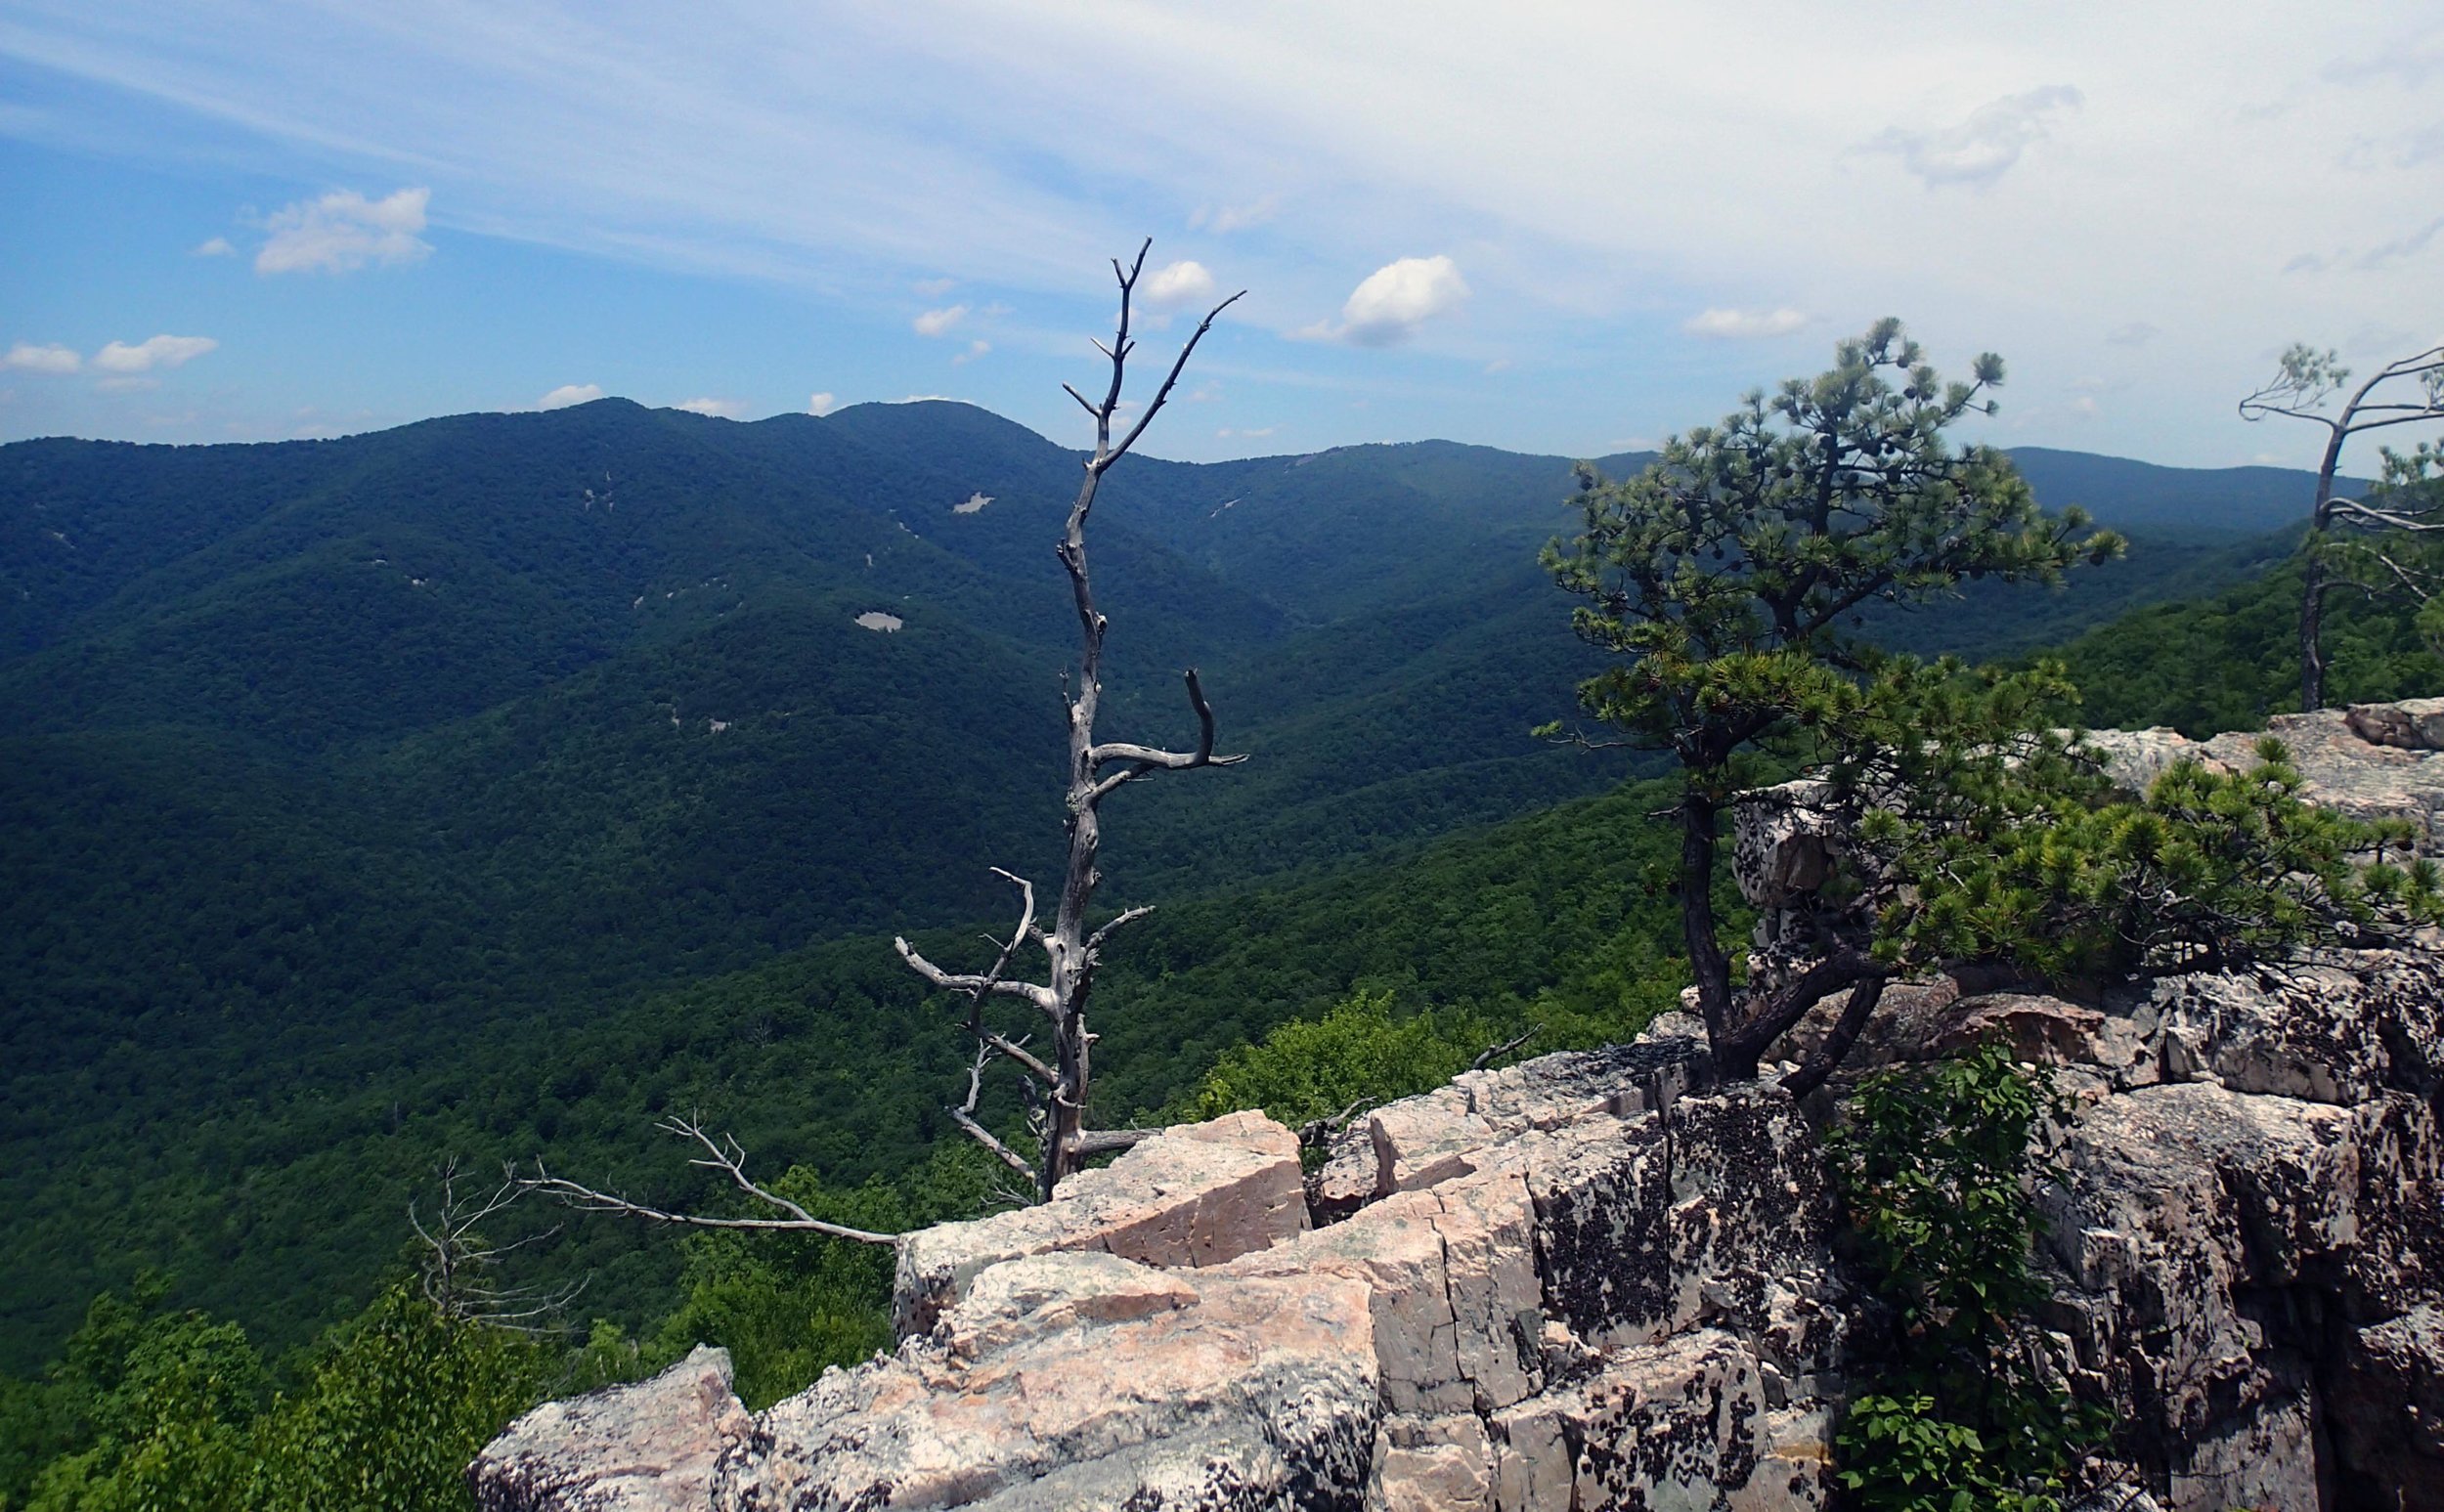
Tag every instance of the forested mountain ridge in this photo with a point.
(348, 783)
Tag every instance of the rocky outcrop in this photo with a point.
(1195, 1196)
(1601, 1280)
(2371, 760)
(647, 1447)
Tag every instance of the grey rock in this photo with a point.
(1196, 1196)
(1080, 1379)
(1599, 1279)
(646, 1447)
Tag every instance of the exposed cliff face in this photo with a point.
(1600, 1280)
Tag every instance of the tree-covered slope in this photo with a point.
(457, 787)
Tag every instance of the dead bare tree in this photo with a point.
(460, 1264)
(2405, 392)
(1059, 1081)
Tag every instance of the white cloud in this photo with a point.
(28, 358)
(568, 393)
(218, 246)
(1498, 365)
(1178, 283)
(938, 322)
(934, 288)
(1222, 220)
(2137, 333)
(823, 404)
(932, 139)
(343, 230)
(1394, 300)
(1985, 147)
(128, 383)
(1250, 432)
(716, 409)
(1725, 324)
(150, 352)
(975, 349)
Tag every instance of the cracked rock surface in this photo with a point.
(1600, 1281)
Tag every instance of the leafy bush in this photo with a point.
(1935, 1168)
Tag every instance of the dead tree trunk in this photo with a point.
(1063, 1080)
(2304, 379)
(1059, 1082)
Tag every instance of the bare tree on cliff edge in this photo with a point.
(1057, 1078)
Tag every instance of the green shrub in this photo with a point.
(1936, 1167)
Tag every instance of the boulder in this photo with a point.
(647, 1447)
(1080, 1379)
(1195, 1196)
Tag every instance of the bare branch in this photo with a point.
(1150, 759)
(1097, 1141)
(1315, 1130)
(1163, 393)
(1126, 916)
(456, 1274)
(963, 1116)
(972, 982)
(723, 1154)
(1494, 1052)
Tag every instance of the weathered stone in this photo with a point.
(2387, 1412)
(1597, 1280)
(1196, 1196)
(1436, 1464)
(1080, 1379)
(1450, 1272)
(646, 1447)
(1674, 1425)
(2412, 725)
(1784, 843)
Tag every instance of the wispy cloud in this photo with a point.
(1982, 149)
(153, 352)
(1222, 220)
(568, 393)
(26, 356)
(343, 230)
(2137, 333)
(1727, 324)
(218, 246)
(975, 349)
(714, 408)
(823, 404)
(940, 323)
(2399, 248)
(1391, 303)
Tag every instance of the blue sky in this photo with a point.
(1562, 228)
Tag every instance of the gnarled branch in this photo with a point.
(723, 1154)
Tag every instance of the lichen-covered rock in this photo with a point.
(1196, 1196)
(1079, 1379)
(1680, 1424)
(646, 1447)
